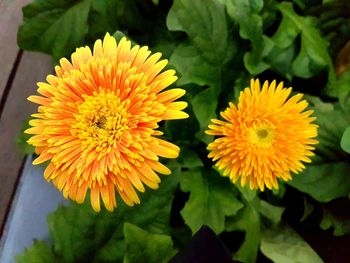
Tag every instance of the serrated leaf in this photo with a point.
(247, 220)
(79, 233)
(39, 252)
(142, 246)
(211, 199)
(313, 55)
(284, 245)
(72, 230)
(209, 46)
(54, 27)
(209, 36)
(327, 177)
(247, 15)
(341, 226)
(152, 215)
(332, 122)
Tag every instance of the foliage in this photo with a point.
(285, 245)
(215, 46)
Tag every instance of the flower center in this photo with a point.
(101, 120)
(261, 135)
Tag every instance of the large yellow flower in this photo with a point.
(265, 137)
(97, 122)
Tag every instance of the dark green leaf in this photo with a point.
(54, 27)
(332, 122)
(247, 220)
(39, 252)
(284, 245)
(272, 212)
(142, 246)
(327, 177)
(342, 88)
(341, 226)
(324, 181)
(110, 15)
(78, 232)
(313, 54)
(247, 15)
(211, 199)
(204, 105)
(194, 68)
(189, 159)
(345, 140)
(73, 232)
(206, 26)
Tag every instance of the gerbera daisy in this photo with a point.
(97, 122)
(265, 137)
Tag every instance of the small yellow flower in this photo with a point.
(265, 137)
(97, 122)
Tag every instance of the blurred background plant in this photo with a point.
(216, 46)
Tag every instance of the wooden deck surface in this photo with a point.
(19, 72)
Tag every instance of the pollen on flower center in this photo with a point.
(262, 133)
(101, 120)
(261, 136)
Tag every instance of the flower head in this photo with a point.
(97, 122)
(265, 137)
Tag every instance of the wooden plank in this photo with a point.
(10, 18)
(33, 67)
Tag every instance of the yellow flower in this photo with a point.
(265, 137)
(97, 122)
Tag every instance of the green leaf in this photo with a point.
(142, 246)
(324, 181)
(332, 121)
(72, 230)
(194, 68)
(80, 234)
(271, 212)
(110, 15)
(114, 249)
(209, 46)
(342, 88)
(152, 215)
(247, 15)
(341, 226)
(211, 199)
(54, 27)
(313, 55)
(327, 177)
(280, 59)
(39, 252)
(345, 140)
(204, 105)
(189, 159)
(247, 220)
(284, 245)
(209, 36)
